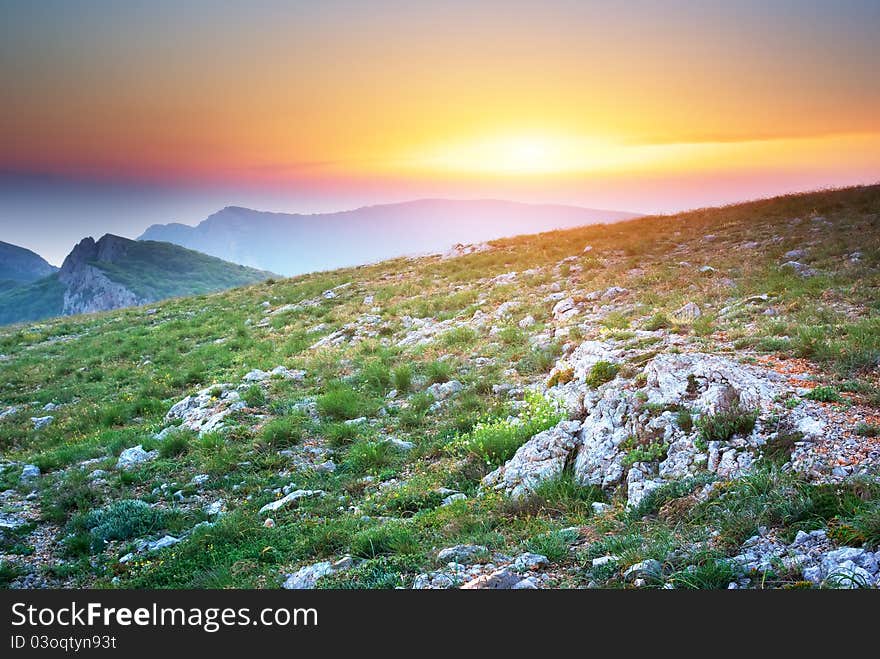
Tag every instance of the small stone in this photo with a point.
(162, 543)
(306, 577)
(605, 560)
(688, 313)
(41, 422)
(501, 579)
(134, 456)
(256, 375)
(215, 508)
(648, 569)
(530, 561)
(464, 554)
(269, 523)
(29, 473)
(452, 498)
(293, 496)
(526, 322)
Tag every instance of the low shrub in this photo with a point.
(724, 426)
(122, 520)
(601, 372)
(389, 538)
(496, 440)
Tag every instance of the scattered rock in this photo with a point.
(444, 390)
(464, 554)
(41, 422)
(799, 268)
(529, 561)
(688, 313)
(290, 498)
(650, 569)
(131, 457)
(501, 579)
(29, 473)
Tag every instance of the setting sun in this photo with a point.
(518, 155)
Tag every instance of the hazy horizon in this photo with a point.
(54, 246)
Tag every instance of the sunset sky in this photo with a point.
(116, 115)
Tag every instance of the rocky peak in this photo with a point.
(109, 249)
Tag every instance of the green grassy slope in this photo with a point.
(40, 299)
(116, 375)
(154, 270)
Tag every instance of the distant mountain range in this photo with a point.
(111, 273)
(21, 266)
(294, 243)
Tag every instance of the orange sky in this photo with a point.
(407, 91)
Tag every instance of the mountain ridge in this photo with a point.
(115, 272)
(295, 243)
(21, 265)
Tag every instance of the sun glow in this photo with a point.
(519, 155)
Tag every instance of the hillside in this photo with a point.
(293, 244)
(115, 272)
(669, 402)
(19, 265)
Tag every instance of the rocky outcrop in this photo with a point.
(206, 410)
(88, 289)
(643, 436)
(539, 459)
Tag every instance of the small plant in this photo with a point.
(554, 545)
(645, 453)
(254, 396)
(340, 434)
(616, 321)
(724, 426)
(413, 415)
(824, 394)
(341, 402)
(601, 372)
(658, 321)
(438, 371)
(283, 432)
(707, 574)
(496, 440)
(175, 444)
(402, 378)
(538, 360)
(370, 456)
(703, 326)
(389, 538)
(376, 376)
(867, 429)
(122, 520)
(460, 337)
(684, 419)
(9, 571)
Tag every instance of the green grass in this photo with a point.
(283, 432)
(496, 440)
(387, 538)
(724, 426)
(154, 270)
(123, 520)
(343, 402)
(824, 394)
